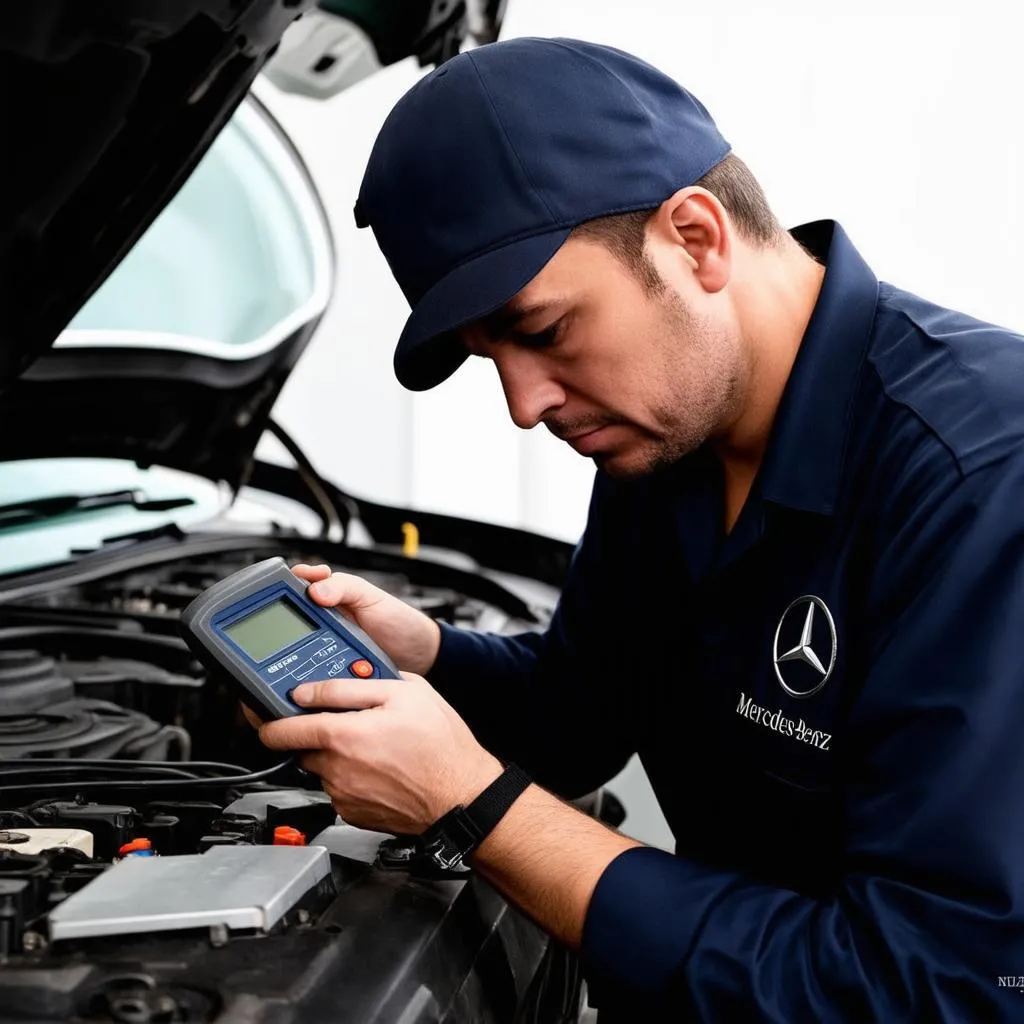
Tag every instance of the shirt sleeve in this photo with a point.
(545, 701)
(928, 921)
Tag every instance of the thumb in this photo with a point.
(345, 589)
(343, 694)
(311, 573)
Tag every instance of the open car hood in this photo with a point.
(115, 106)
(164, 254)
(178, 357)
(109, 106)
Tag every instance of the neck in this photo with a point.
(775, 291)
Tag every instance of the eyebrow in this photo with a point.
(502, 321)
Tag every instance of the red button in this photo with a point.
(361, 668)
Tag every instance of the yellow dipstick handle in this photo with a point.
(411, 544)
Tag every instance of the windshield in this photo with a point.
(236, 262)
(60, 537)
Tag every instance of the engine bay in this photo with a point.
(98, 670)
(137, 806)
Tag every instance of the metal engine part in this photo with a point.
(237, 887)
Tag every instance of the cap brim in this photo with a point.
(429, 351)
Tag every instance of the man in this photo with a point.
(800, 592)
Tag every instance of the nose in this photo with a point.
(531, 392)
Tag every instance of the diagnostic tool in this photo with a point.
(258, 629)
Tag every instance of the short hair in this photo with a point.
(730, 182)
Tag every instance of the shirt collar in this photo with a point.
(803, 463)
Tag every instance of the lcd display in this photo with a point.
(270, 629)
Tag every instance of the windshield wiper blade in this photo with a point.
(21, 512)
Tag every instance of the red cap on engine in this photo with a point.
(135, 846)
(285, 835)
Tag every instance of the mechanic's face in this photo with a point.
(631, 376)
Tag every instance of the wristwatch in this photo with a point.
(458, 833)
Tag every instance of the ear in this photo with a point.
(696, 224)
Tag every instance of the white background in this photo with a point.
(903, 120)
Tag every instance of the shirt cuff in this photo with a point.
(643, 918)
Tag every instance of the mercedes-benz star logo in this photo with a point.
(807, 671)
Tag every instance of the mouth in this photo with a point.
(587, 442)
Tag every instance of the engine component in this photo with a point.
(358, 844)
(187, 826)
(40, 715)
(35, 840)
(47, 847)
(240, 887)
(176, 826)
(23, 883)
(110, 825)
(285, 835)
(137, 848)
(308, 812)
(137, 999)
(29, 682)
(87, 728)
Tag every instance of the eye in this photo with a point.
(539, 339)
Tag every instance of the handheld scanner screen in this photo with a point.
(272, 628)
(259, 631)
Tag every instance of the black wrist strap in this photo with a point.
(492, 804)
(459, 832)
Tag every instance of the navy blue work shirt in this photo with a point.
(829, 699)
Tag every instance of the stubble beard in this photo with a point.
(696, 404)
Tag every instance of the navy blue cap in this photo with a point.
(487, 164)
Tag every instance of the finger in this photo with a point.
(311, 573)
(350, 694)
(316, 762)
(301, 732)
(342, 588)
(250, 716)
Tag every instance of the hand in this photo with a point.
(410, 638)
(397, 763)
